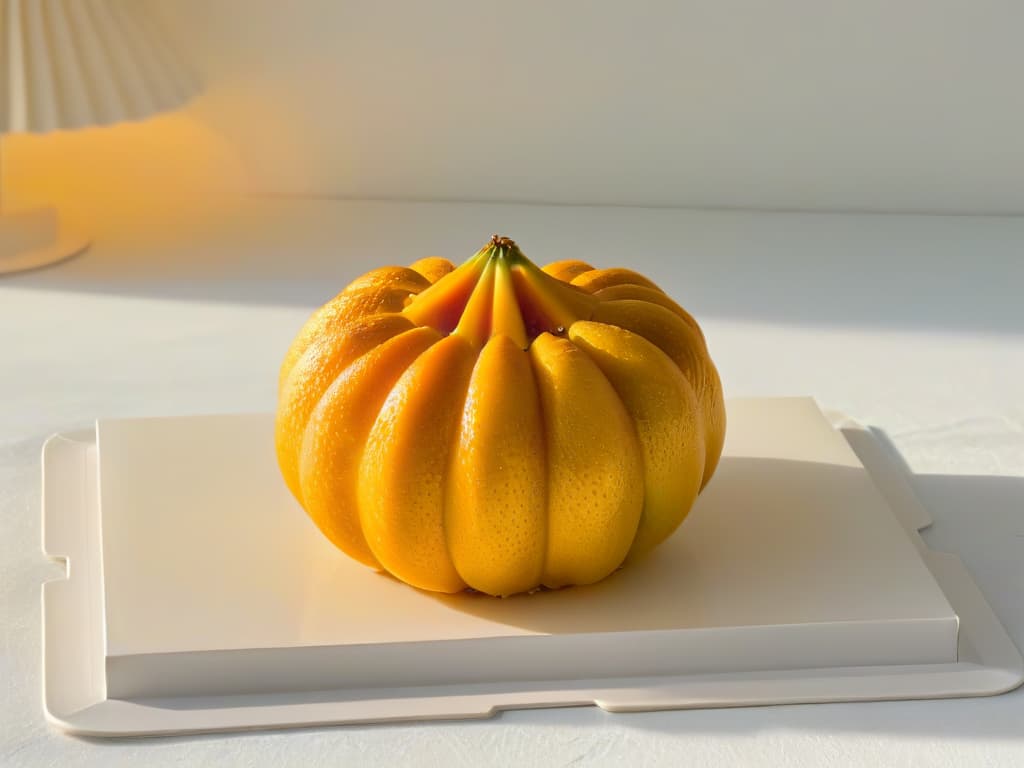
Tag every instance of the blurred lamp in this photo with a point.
(67, 64)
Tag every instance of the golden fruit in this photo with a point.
(498, 426)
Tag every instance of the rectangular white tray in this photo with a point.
(199, 596)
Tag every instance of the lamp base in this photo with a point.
(33, 238)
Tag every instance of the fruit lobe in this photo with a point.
(498, 426)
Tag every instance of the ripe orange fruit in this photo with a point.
(498, 426)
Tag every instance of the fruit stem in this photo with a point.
(500, 291)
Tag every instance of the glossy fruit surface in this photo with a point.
(498, 426)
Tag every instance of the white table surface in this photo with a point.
(912, 324)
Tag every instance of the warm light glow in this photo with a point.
(123, 177)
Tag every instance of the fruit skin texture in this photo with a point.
(498, 426)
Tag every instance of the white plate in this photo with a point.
(199, 597)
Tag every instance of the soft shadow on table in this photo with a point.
(979, 518)
(670, 588)
(876, 272)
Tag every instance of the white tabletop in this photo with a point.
(913, 324)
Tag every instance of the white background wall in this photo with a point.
(892, 105)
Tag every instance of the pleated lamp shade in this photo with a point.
(67, 64)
